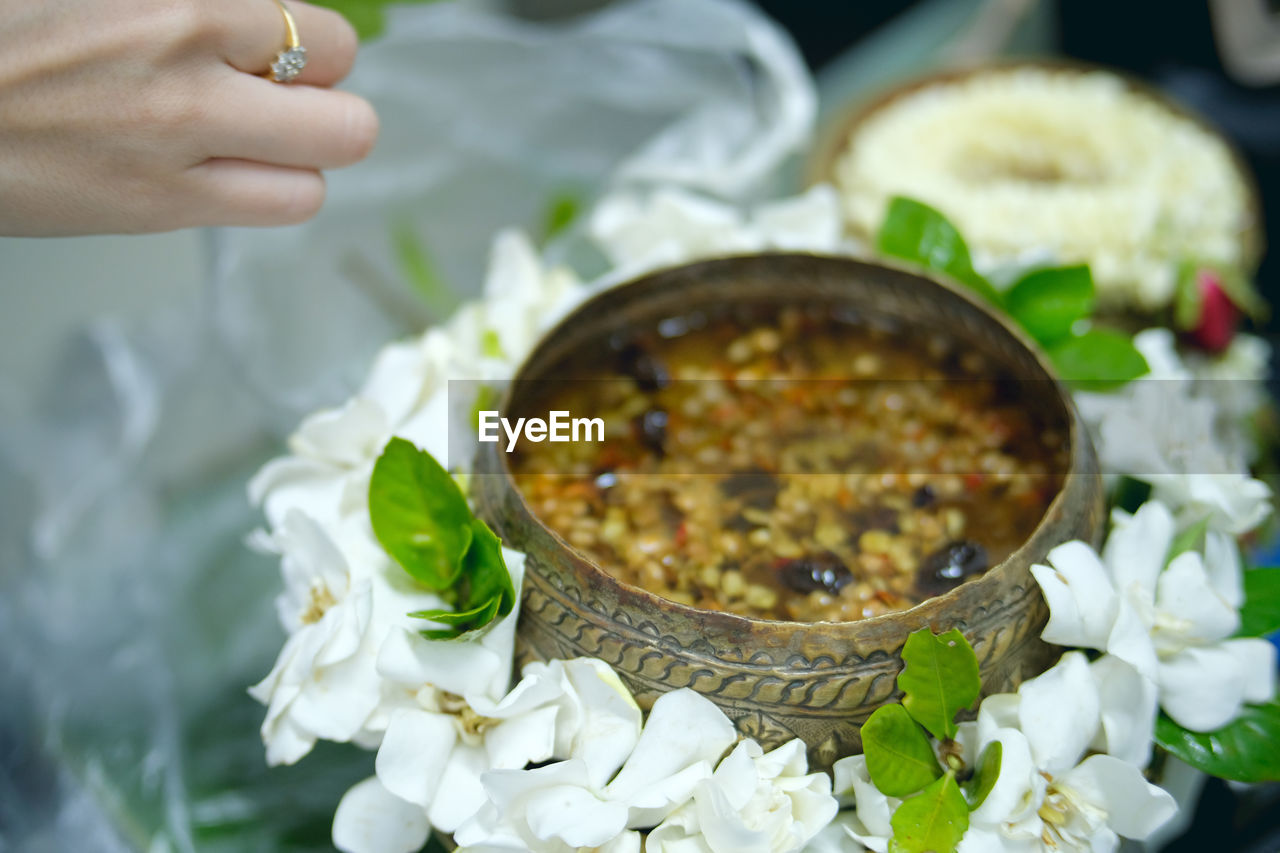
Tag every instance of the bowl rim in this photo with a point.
(927, 612)
(833, 142)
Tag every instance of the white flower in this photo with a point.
(754, 802)
(371, 818)
(434, 754)
(325, 684)
(452, 729)
(522, 298)
(671, 226)
(596, 798)
(333, 451)
(1168, 429)
(1045, 797)
(407, 391)
(1171, 626)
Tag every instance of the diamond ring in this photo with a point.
(290, 61)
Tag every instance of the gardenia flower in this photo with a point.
(1171, 626)
(671, 226)
(599, 797)
(439, 742)
(407, 393)
(325, 684)
(754, 802)
(1168, 429)
(1044, 798)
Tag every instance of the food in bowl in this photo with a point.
(800, 464)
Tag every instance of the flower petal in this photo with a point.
(409, 659)
(349, 435)
(370, 819)
(683, 729)
(1257, 665)
(460, 793)
(1019, 786)
(608, 727)
(1202, 689)
(722, 825)
(1222, 565)
(836, 837)
(1135, 808)
(527, 738)
(574, 815)
(1082, 602)
(871, 825)
(1136, 548)
(1128, 704)
(998, 711)
(1130, 638)
(397, 380)
(1190, 611)
(810, 221)
(1059, 713)
(414, 753)
(1233, 503)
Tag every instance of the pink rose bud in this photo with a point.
(1219, 317)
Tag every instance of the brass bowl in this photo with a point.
(833, 142)
(779, 680)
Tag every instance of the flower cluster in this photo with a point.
(1167, 631)
(1181, 429)
(1045, 796)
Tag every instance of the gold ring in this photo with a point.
(290, 61)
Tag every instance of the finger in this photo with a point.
(302, 126)
(253, 33)
(237, 192)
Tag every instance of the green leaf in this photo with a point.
(932, 821)
(1238, 287)
(484, 591)
(562, 211)
(1243, 293)
(419, 514)
(984, 777)
(1099, 359)
(940, 678)
(1260, 615)
(486, 400)
(1191, 539)
(916, 232)
(900, 759)
(419, 270)
(491, 344)
(458, 618)
(1244, 750)
(1048, 302)
(368, 17)
(486, 573)
(1130, 493)
(1187, 299)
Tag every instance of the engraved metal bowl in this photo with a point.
(779, 680)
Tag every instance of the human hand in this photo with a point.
(150, 115)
